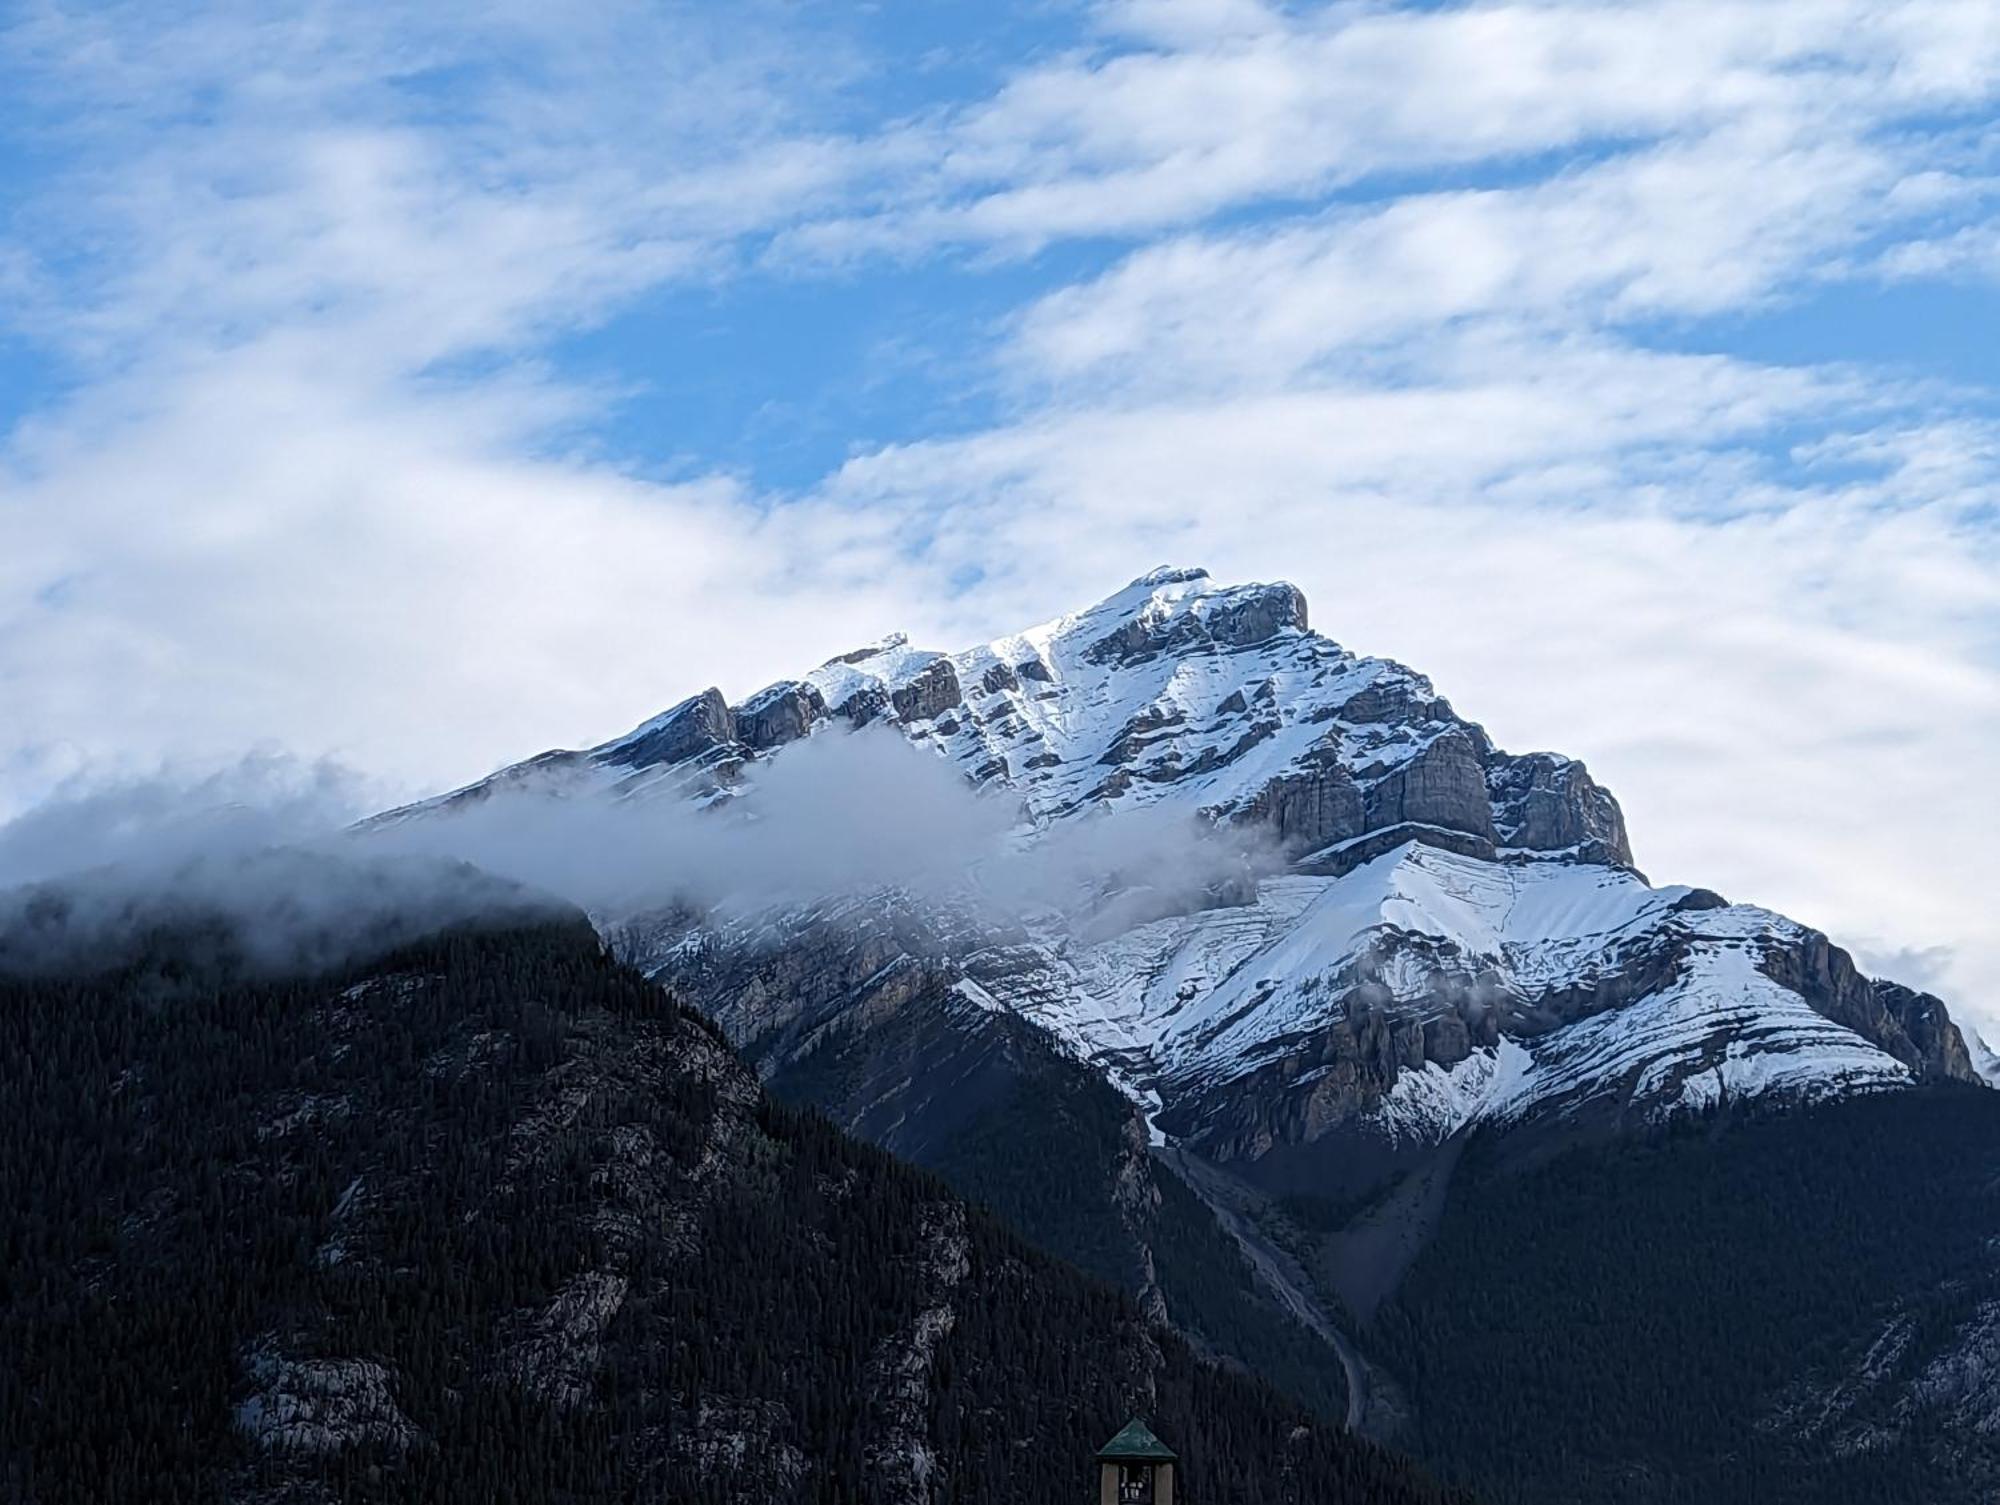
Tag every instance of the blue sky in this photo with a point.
(422, 387)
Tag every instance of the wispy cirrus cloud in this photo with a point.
(1189, 110)
(1725, 222)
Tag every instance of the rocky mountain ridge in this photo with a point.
(1217, 699)
(1443, 910)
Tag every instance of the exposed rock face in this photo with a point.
(899, 1375)
(320, 1406)
(1911, 1026)
(783, 713)
(1345, 857)
(1548, 803)
(1939, 1049)
(1312, 808)
(1240, 618)
(999, 677)
(1258, 615)
(1332, 1081)
(928, 693)
(1444, 785)
(841, 967)
(695, 726)
(863, 705)
(556, 1355)
(1962, 1385)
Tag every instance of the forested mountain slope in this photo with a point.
(1016, 1124)
(492, 1219)
(1797, 1308)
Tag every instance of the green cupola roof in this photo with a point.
(1135, 1443)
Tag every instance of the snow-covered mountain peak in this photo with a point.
(883, 644)
(1172, 607)
(1219, 700)
(1455, 934)
(1169, 574)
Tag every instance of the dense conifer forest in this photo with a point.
(1719, 1314)
(490, 1219)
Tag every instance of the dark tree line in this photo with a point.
(220, 1190)
(1641, 1322)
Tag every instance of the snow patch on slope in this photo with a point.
(1074, 724)
(882, 668)
(1196, 1000)
(1429, 1105)
(1724, 1031)
(1200, 993)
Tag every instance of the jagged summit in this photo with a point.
(1169, 574)
(1458, 935)
(1217, 698)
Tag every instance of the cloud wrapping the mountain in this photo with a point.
(267, 847)
(839, 815)
(242, 864)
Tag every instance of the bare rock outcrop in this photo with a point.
(778, 714)
(1544, 802)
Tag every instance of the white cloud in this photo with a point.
(263, 849)
(269, 550)
(1183, 22)
(153, 825)
(271, 509)
(1723, 222)
(1220, 112)
(1970, 250)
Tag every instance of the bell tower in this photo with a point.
(1135, 1468)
